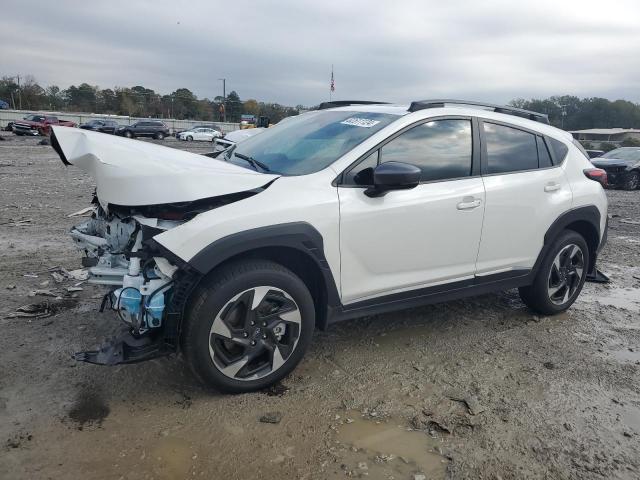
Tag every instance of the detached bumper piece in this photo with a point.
(596, 276)
(125, 348)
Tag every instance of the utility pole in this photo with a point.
(224, 99)
(19, 93)
(563, 113)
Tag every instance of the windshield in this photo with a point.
(310, 142)
(624, 154)
(34, 118)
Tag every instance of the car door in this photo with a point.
(199, 134)
(525, 193)
(409, 239)
(208, 134)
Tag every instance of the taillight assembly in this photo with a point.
(596, 174)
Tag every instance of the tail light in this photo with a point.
(596, 174)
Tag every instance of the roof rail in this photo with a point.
(518, 112)
(346, 103)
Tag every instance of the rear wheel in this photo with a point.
(560, 276)
(631, 181)
(248, 326)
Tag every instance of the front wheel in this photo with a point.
(189, 138)
(128, 134)
(159, 136)
(560, 276)
(631, 181)
(248, 326)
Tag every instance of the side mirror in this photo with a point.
(393, 176)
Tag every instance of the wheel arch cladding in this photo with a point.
(297, 246)
(582, 220)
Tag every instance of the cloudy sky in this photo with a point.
(283, 51)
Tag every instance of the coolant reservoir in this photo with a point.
(154, 309)
(129, 299)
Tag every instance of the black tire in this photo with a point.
(128, 134)
(631, 181)
(189, 138)
(537, 296)
(159, 136)
(214, 299)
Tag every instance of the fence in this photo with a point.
(7, 116)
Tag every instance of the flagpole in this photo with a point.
(331, 86)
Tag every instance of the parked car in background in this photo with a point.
(4, 105)
(231, 138)
(144, 128)
(38, 124)
(594, 153)
(204, 134)
(214, 127)
(622, 166)
(104, 126)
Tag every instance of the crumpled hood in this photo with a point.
(135, 173)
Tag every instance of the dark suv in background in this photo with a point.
(104, 126)
(144, 128)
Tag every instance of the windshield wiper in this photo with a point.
(256, 164)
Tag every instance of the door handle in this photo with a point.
(552, 187)
(468, 203)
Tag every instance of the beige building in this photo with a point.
(596, 136)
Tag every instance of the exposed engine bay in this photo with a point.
(114, 252)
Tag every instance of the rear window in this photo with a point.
(509, 149)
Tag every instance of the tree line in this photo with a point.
(566, 111)
(573, 113)
(138, 101)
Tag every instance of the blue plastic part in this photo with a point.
(154, 310)
(130, 299)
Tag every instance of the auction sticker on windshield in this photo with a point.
(360, 122)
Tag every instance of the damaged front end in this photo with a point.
(147, 290)
(143, 190)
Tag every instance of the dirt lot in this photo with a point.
(480, 388)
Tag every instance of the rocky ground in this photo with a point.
(480, 388)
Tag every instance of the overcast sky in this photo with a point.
(283, 51)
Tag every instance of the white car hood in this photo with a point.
(134, 173)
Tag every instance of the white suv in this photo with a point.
(342, 212)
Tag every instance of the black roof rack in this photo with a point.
(346, 103)
(519, 112)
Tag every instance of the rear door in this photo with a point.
(525, 193)
(410, 239)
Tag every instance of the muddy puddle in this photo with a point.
(384, 449)
(625, 298)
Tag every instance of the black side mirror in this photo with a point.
(393, 176)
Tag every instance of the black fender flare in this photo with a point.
(589, 214)
(298, 235)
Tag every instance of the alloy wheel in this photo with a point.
(566, 274)
(255, 333)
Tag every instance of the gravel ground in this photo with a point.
(479, 388)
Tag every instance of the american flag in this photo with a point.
(333, 83)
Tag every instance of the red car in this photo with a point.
(38, 125)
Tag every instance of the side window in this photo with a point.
(559, 149)
(362, 173)
(440, 148)
(509, 149)
(544, 159)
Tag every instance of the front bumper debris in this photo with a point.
(125, 348)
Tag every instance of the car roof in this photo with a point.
(462, 110)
